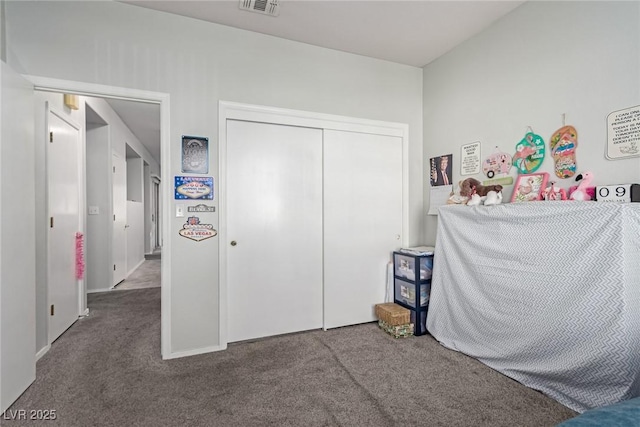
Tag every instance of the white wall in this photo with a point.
(198, 64)
(135, 186)
(135, 235)
(538, 62)
(119, 134)
(3, 38)
(97, 243)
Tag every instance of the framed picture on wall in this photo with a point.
(195, 154)
(529, 187)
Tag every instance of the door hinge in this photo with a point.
(114, 267)
(51, 222)
(114, 169)
(50, 136)
(114, 217)
(52, 309)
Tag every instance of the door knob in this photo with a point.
(233, 243)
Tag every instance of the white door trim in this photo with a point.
(258, 113)
(90, 89)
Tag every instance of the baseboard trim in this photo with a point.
(42, 351)
(136, 267)
(95, 291)
(194, 352)
(85, 313)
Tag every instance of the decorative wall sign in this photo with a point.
(470, 163)
(201, 208)
(563, 144)
(193, 187)
(498, 163)
(529, 187)
(623, 134)
(195, 154)
(529, 153)
(194, 230)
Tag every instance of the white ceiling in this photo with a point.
(407, 32)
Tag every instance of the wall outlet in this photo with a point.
(94, 210)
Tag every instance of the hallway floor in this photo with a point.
(145, 276)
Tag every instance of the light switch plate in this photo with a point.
(179, 211)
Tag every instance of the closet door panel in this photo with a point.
(362, 176)
(274, 229)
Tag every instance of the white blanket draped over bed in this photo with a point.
(548, 293)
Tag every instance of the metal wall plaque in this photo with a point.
(195, 154)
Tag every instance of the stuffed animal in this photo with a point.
(493, 198)
(471, 186)
(554, 193)
(582, 192)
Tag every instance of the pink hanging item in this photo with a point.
(79, 255)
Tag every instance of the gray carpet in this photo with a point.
(107, 371)
(145, 276)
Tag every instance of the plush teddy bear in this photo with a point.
(471, 186)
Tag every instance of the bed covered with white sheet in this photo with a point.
(548, 293)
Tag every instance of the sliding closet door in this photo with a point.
(362, 222)
(274, 229)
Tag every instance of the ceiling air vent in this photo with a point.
(266, 7)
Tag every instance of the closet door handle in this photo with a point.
(233, 243)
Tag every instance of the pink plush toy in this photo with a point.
(554, 193)
(583, 191)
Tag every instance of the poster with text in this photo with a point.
(623, 133)
(470, 159)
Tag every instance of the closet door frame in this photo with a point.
(265, 114)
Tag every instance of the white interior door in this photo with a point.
(17, 237)
(63, 178)
(119, 203)
(274, 229)
(362, 222)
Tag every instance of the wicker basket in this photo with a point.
(397, 331)
(393, 314)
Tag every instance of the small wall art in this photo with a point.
(623, 133)
(498, 163)
(194, 230)
(529, 153)
(470, 160)
(563, 144)
(529, 187)
(193, 187)
(195, 154)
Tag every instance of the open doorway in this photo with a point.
(122, 152)
(100, 140)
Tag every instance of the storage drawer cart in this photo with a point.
(412, 286)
